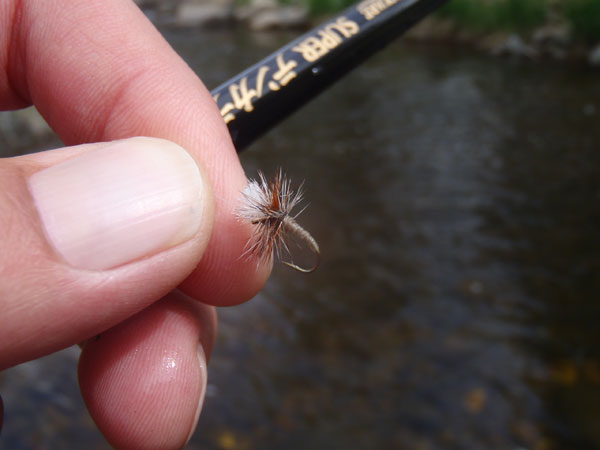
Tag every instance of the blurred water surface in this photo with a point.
(456, 199)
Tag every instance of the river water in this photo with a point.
(456, 200)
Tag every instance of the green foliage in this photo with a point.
(486, 15)
(492, 15)
(584, 16)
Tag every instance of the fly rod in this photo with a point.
(257, 99)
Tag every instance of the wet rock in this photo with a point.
(552, 40)
(552, 35)
(268, 14)
(492, 41)
(282, 17)
(514, 46)
(260, 5)
(245, 13)
(594, 56)
(192, 14)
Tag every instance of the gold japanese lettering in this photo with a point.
(284, 74)
(242, 96)
(226, 113)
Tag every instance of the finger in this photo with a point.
(98, 71)
(91, 235)
(144, 380)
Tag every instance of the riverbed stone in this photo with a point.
(199, 13)
(514, 45)
(245, 12)
(552, 35)
(292, 16)
(552, 40)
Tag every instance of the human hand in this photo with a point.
(96, 237)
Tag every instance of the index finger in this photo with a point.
(98, 71)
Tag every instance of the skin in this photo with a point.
(99, 71)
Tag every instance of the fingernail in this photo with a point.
(204, 381)
(110, 206)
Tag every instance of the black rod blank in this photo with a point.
(261, 96)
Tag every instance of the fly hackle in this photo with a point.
(268, 206)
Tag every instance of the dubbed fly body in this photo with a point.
(268, 206)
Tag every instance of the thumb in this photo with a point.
(91, 235)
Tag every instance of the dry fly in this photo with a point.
(268, 206)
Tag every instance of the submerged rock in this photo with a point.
(514, 45)
(552, 40)
(191, 14)
(552, 35)
(268, 14)
(282, 17)
(257, 14)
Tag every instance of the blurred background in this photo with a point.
(454, 188)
